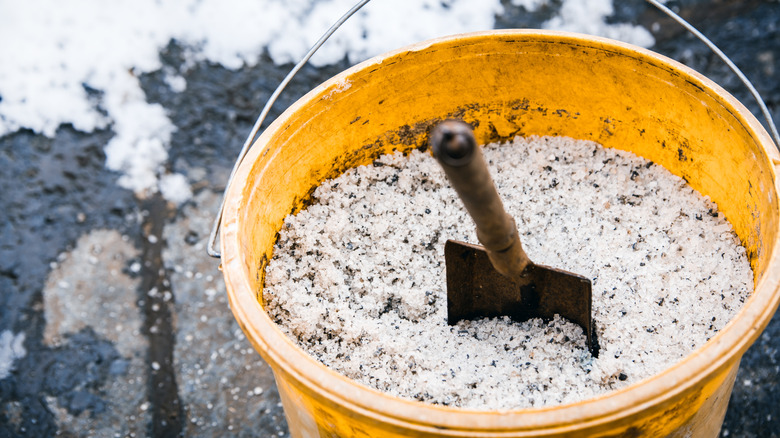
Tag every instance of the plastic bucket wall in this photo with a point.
(509, 83)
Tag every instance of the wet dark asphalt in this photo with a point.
(56, 190)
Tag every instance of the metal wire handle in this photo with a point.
(211, 247)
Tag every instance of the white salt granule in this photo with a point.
(358, 278)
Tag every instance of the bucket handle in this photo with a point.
(211, 248)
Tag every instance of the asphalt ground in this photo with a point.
(120, 319)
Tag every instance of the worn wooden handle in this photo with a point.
(455, 147)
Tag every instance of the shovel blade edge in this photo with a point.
(476, 290)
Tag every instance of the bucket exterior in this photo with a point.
(509, 83)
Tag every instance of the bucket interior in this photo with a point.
(505, 83)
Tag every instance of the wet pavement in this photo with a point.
(117, 322)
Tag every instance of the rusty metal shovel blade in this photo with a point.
(498, 278)
(476, 290)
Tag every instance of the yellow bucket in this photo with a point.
(508, 83)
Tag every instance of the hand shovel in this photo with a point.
(498, 279)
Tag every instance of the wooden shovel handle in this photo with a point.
(455, 147)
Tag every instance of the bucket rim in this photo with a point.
(718, 354)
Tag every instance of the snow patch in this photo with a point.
(55, 52)
(589, 17)
(11, 349)
(378, 27)
(176, 82)
(175, 188)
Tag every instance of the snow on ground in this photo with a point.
(11, 349)
(589, 17)
(54, 51)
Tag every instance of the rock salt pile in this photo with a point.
(358, 278)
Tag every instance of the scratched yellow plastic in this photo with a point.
(508, 84)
